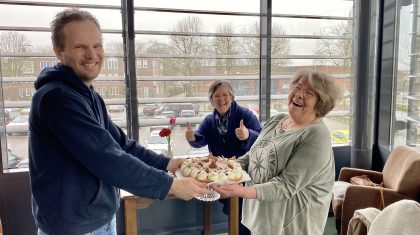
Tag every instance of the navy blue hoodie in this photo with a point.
(228, 145)
(78, 158)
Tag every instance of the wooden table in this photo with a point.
(133, 203)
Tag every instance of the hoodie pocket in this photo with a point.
(105, 202)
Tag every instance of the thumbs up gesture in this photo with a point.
(242, 132)
(189, 133)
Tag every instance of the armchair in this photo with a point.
(400, 178)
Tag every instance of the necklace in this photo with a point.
(287, 125)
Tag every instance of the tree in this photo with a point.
(251, 45)
(13, 44)
(225, 46)
(154, 47)
(114, 48)
(157, 48)
(188, 46)
(279, 46)
(336, 47)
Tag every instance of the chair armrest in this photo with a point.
(360, 197)
(347, 172)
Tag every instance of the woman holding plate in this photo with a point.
(291, 164)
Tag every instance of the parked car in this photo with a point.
(205, 113)
(116, 108)
(10, 115)
(25, 111)
(156, 143)
(19, 125)
(12, 159)
(165, 114)
(340, 137)
(149, 109)
(175, 107)
(187, 113)
(168, 114)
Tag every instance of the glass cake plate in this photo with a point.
(213, 196)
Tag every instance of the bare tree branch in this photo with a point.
(188, 45)
(336, 47)
(226, 46)
(13, 42)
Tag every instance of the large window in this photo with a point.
(25, 49)
(407, 89)
(181, 47)
(318, 38)
(190, 46)
(197, 45)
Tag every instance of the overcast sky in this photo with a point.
(23, 16)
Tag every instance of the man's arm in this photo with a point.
(86, 140)
(130, 146)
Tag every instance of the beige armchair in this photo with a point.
(400, 177)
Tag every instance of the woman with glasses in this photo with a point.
(291, 164)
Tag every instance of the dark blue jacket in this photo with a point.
(229, 145)
(78, 158)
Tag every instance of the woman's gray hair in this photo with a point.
(217, 84)
(65, 17)
(326, 88)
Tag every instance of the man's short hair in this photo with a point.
(65, 17)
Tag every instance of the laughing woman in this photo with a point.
(291, 164)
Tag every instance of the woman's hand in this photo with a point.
(235, 190)
(242, 133)
(189, 133)
(174, 164)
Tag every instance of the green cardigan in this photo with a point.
(293, 173)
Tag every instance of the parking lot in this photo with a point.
(19, 144)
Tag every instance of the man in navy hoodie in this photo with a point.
(78, 158)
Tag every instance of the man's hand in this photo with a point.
(189, 133)
(242, 132)
(188, 188)
(174, 164)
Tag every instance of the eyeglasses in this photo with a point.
(306, 93)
